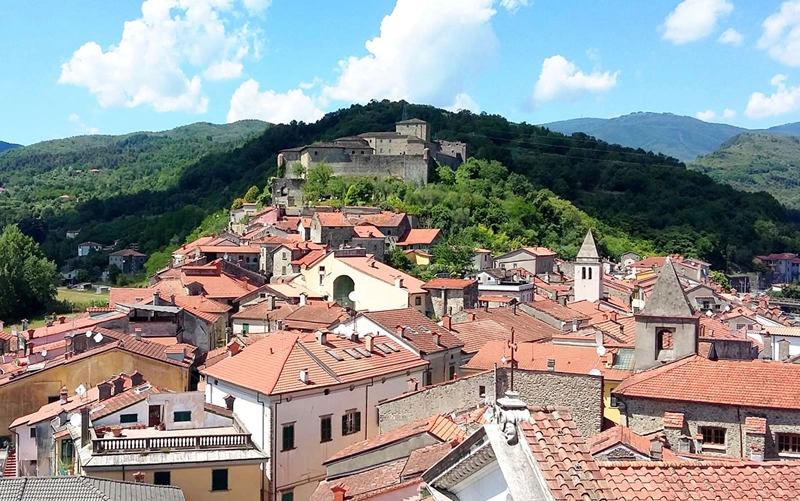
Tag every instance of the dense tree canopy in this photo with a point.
(27, 278)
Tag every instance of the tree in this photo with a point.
(398, 259)
(720, 279)
(238, 203)
(453, 257)
(252, 195)
(27, 279)
(317, 182)
(113, 273)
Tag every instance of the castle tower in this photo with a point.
(414, 127)
(667, 327)
(588, 272)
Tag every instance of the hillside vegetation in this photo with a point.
(36, 177)
(7, 146)
(652, 199)
(757, 162)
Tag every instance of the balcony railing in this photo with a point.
(123, 445)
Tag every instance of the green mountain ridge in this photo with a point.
(4, 146)
(682, 137)
(757, 161)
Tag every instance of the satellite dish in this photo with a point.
(80, 390)
(89, 333)
(44, 353)
(75, 420)
(354, 296)
(98, 337)
(709, 313)
(595, 372)
(601, 350)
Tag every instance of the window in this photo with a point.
(128, 418)
(613, 402)
(451, 373)
(161, 478)
(325, 429)
(583, 272)
(285, 255)
(417, 301)
(288, 437)
(663, 340)
(788, 443)
(590, 273)
(428, 378)
(287, 496)
(245, 328)
(182, 416)
(219, 480)
(481, 391)
(713, 436)
(351, 422)
(33, 432)
(54, 398)
(283, 270)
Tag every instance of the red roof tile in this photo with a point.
(673, 420)
(755, 425)
(477, 333)
(414, 326)
(422, 459)
(556, 310)
(565, 462)
(420, 236)
(540, 251)
(526, 327)
(376, 269)
(622, 435)
(697, 379)
(448, 283)
(702, 480)
(332, 219)
(366, 230)
(364, 485)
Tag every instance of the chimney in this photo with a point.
(25, 324)
(413, 385)
(270, 302)
(514, 308)
(551, 364)
(2, 324)
(447, 321)
(30, 346)
(233, 348)
(471, 316)
(136, 379)
(84, 426)
(574, 325)
(562, 300)
(138, 333)
(609, 360)
(63, 395)
(303, 299)
(322, 337)
(783, 350)
(103, 390)
(172, 299)
(31, 333)
(156, 299)
(229, 399)
(304, 376)
(767, 353)
(398, 282)
(612, 315)
(656, 449)
(339, 491)
(369, 342)
(437, 339)
(119, 384)
(60, 320)
(399, 330)
(138, 477)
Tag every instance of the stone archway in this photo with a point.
(342, 287)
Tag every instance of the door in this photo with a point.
(154, 415)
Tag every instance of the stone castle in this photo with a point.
(407, 153)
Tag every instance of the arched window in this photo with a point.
(590, 273)
(583, 272)
(342, 287)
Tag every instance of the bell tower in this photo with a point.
(588, 272)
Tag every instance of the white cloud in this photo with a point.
(732, 37)
(270, 106)
(418, 58)
(464, 102)
(80, 127)
(256, 6)
(781, 36)
(561, 80)
(728, 114)
(783, 100)
(706, 115)
(694, 19)
(148, 65)
(514, 5)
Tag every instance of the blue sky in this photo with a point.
(89, 66)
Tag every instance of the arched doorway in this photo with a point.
(342, 287)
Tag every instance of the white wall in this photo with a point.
(588, 289)
(254, 326)
(139, 408)
(26, 446)
(794, 343)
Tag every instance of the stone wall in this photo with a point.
(583, 395)
(453, 301)
(646, 416)
(287, 192)
(412, 168)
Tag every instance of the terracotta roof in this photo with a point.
(526, 327)
(673, 420)
(123, 400)
(556, 310)
(365, 230)
(418, 329)
(261, 311)
(314, 316)
(476, 333)
(622, 435)
(418, 252)
(702, 480)
(650, 262)
(755, 425)
(230, 249)
(534, 357)
(291, 290)
(497, 299)
(697, 379)
(366, 484)
(219, 286)
(540, 251)
(383, 219)
(422, 459)
(622, 329)
(53, 409)
(332, 219)
(437, 425)
(585, 307)
(310, 258)
(420, 236)
(145, 348)
(448, 283)
(77, 323)
(383, 272)
(272, 365)
(128, 252)
(564, 460)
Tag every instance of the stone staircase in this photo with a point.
(10, 469)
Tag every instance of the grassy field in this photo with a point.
(80, 297)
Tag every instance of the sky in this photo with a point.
(72, 67)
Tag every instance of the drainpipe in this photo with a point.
(366, 407)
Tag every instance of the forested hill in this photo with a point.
(8, 146)
(36, 177)
(757, 162)
(650, 197)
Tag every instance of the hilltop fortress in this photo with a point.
(407, 153)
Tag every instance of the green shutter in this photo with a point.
(344, 425)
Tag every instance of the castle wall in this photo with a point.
(410, 168)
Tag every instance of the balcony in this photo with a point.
(152, 440)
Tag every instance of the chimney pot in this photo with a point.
(339, 491)
(447, 321)
(64, 395)
(399, 330)
(369, 342)
(304, 376)
(60, 320)
(322, 337)
(138, 477)
(767, 353)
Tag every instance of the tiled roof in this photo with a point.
(540, 251)
(448, 283)
(361, 485)
(755, 425)
(272, 365)
(556, 310)
(310, 258)
(291, 290)
(422, 459)
(623, 329)
(702, 480)
(564, 460)
(123, 400)
(219, 286)
(420, 236)
(698, 379)
(365, 230)
(333, 219)
(128, 252)
(314, 316)
(622, 435)
(383, 219)
(496, 299)
(650, 262)
(383, 272)
(77, 323)
(80, 488)
(534, 357)
(145, 348)
(261, 311)
(527, 327)
(439, 426)
(415, 325)
(230, 249)
(53, 409)
(477, 333)
(673, 420)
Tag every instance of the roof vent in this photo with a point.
(304, 376)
